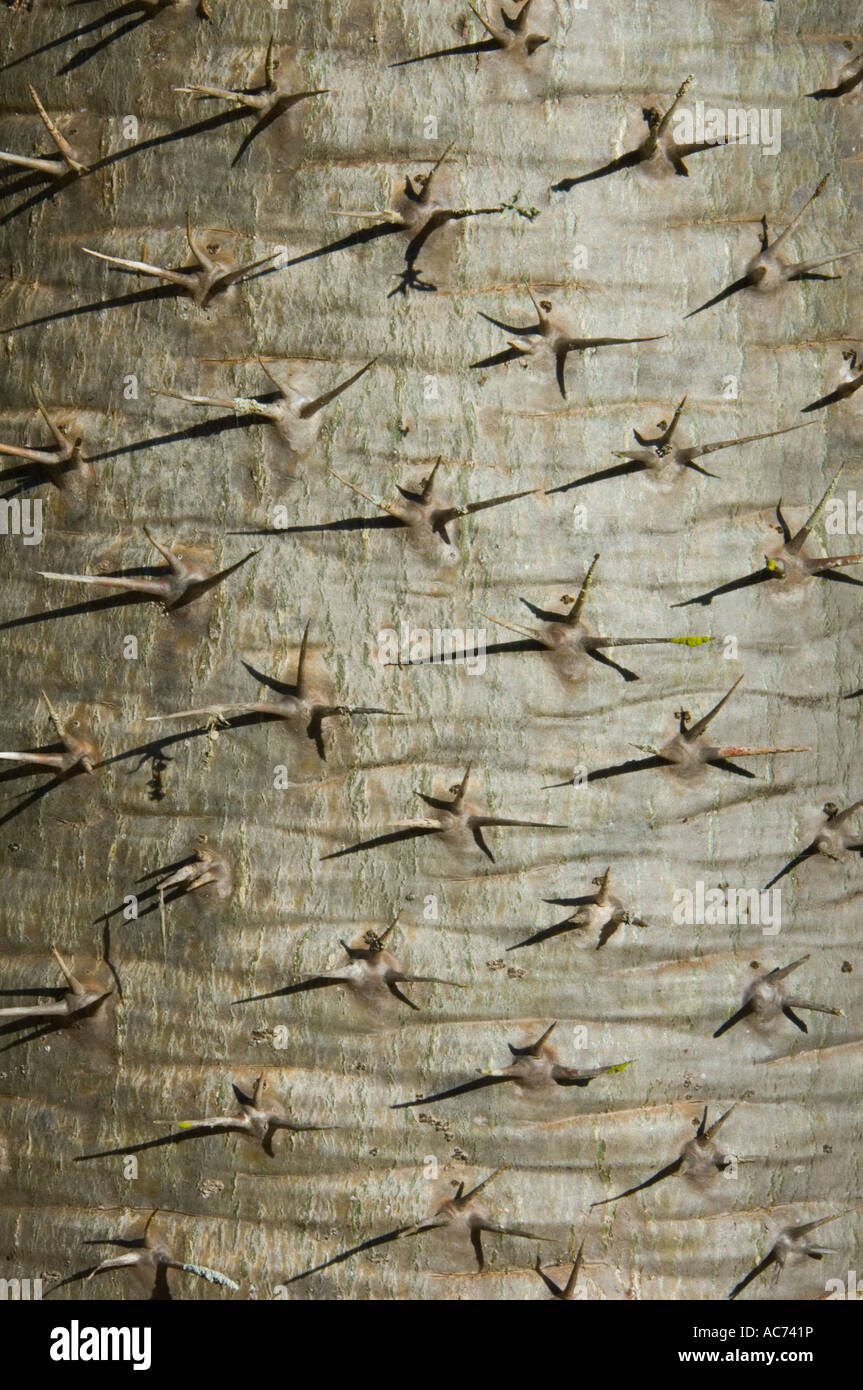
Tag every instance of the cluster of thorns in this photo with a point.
(209, 277)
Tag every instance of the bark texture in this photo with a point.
(628, 255)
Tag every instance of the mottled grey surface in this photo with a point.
(652, 250)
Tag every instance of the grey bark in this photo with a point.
(171, 1047)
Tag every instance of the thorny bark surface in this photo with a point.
(171, 1047)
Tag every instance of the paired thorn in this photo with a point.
(850, 76)
(456, 819)
(510, 34)
(598, 912)
(259, 1118)
(67, 162)
(426, 515)
(422, 513)
(700, 1160)
(659, 149)
(549, 332)
(659, 454)
(53, 464)
(850, 381)
(568, 637)
(765, 1000)
(788, 564)
(79, 754)
(206, 867)
(292, 414)
(180, 585)
(369, 973)
(832, 840)
(562, 1291)
(687, 753)
(152, 1258)
(417, 215)
(460, 1212)
(266, 102)
(203, 868)
(767, 272)
(532, 1068)
(791, 1243)
(212, 274)
(78, 1000)
(296, 705)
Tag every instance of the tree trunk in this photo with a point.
(629, 255)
